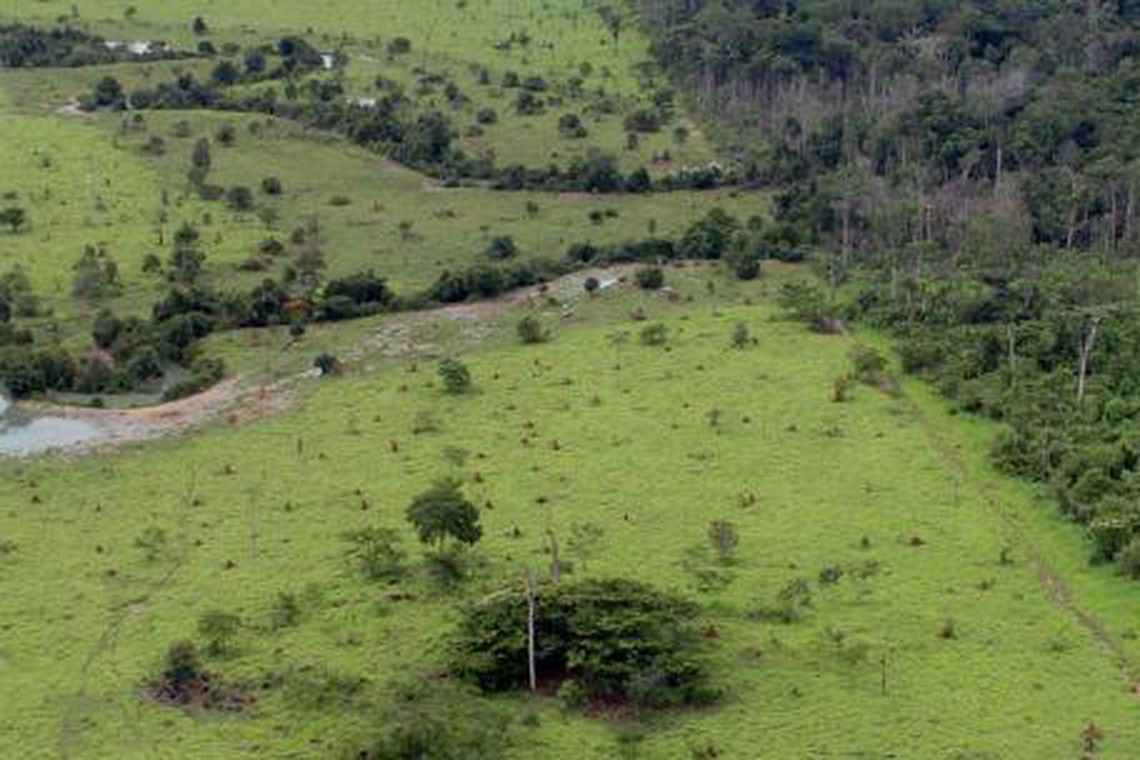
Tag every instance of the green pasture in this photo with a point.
(581, 430)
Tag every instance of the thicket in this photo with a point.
(27, 46)
(602, 640)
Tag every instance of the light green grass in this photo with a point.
(87, 180)
(446, 38)
(1019, 681)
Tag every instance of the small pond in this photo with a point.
(23, 435)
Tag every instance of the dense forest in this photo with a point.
(969, 171)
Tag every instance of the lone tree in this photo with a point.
(14, 217)
(442, 512)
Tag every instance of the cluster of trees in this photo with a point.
(392, 124)
(27, 46)
(908, 120)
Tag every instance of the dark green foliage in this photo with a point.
(239, 198)
(13, 217)
(96, 275)
(27, 46)
(399, 46)
(530, 330)
(271, 186)
(203, 374)
(377, 552)
(225, 73)
(439, 720)
(570, 126)
(745, 263)
(327, 364)
(650, 278)
(655, 334)
(455, 376)
(643, 120)
(710, 236)
(442, 513)
(218, 628)
(183, 663)
(617, 639)
(741, 337)
(502, 247)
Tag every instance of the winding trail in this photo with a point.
(243, 399)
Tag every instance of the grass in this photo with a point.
(983, 658)
(567, 39)
(636, 456)
(88, 180)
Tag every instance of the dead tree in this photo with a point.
(1088, 342)
(530, 629)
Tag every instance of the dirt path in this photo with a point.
(242, 399)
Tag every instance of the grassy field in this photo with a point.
(892, 490)
(87, 181)
(965, 621)
(454, 40)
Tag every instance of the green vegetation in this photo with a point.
(704, 459)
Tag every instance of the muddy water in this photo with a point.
(22, 435)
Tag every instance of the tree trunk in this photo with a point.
(997, 167)
(1012, 357)
(530, 630)
(1087, 343)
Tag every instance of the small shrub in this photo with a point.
(724, 539)
(239, 198)
(655, 334)
(219, 628)
(741, 337)
(1129, 559)
(745, 265)
(226, 134)
(530, 330)
(502, 247)
(377, 552)
(948, 629)
(591, 285)
(327, 364)
(286, 611)
(841, 389)
(271, 186)
(340, 200)
(455, 376)
(650, 278)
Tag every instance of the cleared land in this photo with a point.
(951, 615)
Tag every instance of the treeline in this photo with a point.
(1044, 342)
(27, 46)
(967, 173)
(133, 353)
(925, 120)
